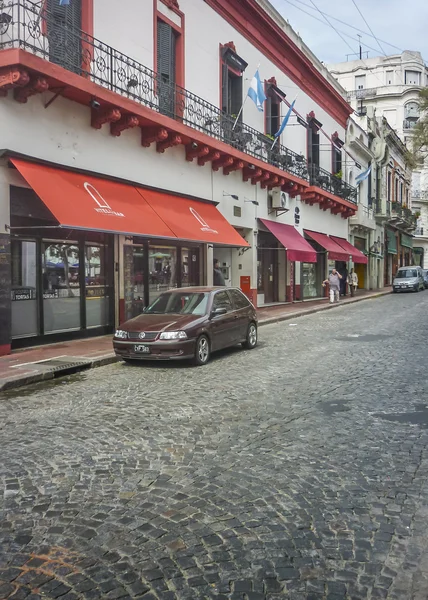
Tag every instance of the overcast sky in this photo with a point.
(400, 23)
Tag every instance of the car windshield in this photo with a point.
(179, 303)
(407, 273)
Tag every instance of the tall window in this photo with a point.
(232, 69)
(389, 77)
(337, 161)
(396, 198)
(63, 25)
(412, 78)
(360, 82)
(231, 91)
(388, 187)
(313, 145)
(166, 67)
(273, 109)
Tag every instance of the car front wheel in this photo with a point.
(251, 340)
(202, 351)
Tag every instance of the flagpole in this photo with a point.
(42, 9)
(292, 110)
(240, 112)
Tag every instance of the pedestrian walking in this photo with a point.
(353, 282)
(334, 285)
(218, 278)
(344, 279)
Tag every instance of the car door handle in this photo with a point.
(236, 317)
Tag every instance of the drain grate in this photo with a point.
(61, 366)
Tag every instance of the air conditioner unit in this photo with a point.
(280, 199)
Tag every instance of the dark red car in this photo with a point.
(188, 323)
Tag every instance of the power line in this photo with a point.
(370, 29)
(340, 21)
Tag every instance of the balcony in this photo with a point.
(361, 94)
(364, 219)
(420, 195)
(402, 216)
(332, 183)
(23, 27)
(409, 123)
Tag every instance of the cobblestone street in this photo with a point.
(294, 471)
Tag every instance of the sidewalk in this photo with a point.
(42, 363)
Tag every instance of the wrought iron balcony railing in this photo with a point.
(409, 123)
(332, 183)
(25, 25)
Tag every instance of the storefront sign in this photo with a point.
(47, 295)
(22, 294)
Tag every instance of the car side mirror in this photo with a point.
(218, 311)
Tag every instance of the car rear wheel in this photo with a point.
(202, 351)
(251, 341)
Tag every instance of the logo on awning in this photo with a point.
(103, 206)
(205, 226)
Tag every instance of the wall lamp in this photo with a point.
(252, 201)
(234, 196)
(94, 104)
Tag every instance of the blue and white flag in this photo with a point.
(256, 91)
(285, 120)
(363, 176)
(64, 2)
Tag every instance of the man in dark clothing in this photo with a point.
(218, 278)
(344, 274)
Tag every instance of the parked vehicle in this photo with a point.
(188, 323)
(408, 279)
(425, 272)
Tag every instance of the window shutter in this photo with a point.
(63, 28)
(224, 88)
(268, 106)
(166, 68)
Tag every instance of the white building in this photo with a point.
(390, 84)
(127, 167)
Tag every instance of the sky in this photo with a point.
(396, 22)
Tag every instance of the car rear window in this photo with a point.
(239, 300)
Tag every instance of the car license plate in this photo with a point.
(141, 348)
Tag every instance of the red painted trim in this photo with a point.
(5, 349)
(82, 90)
(88, 17)
(173, 5)
(263, 33)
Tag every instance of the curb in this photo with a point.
(315, 309)
(107, 359)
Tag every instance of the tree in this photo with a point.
(420, 134)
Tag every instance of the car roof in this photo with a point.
(200, 289)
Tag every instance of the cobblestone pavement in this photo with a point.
(297, 470)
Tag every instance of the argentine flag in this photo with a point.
(285, 120)
(362, 176)
(256, 91)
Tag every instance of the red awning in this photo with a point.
(356, 255)
(80, 201)
(193, 220)
(335, 252)
(298, 249)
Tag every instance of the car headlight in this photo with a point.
(173, 335)
(121, 334)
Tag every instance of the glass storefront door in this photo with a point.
(310, 280)
(61, 286)
(97, 289)
(162, 270)
(190, 267)
(134, 264)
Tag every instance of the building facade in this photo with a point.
(129, 164)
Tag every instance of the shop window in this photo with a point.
(63, 25)
(162, 270)
(134, 266)
(61, 286)
(24, 288)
